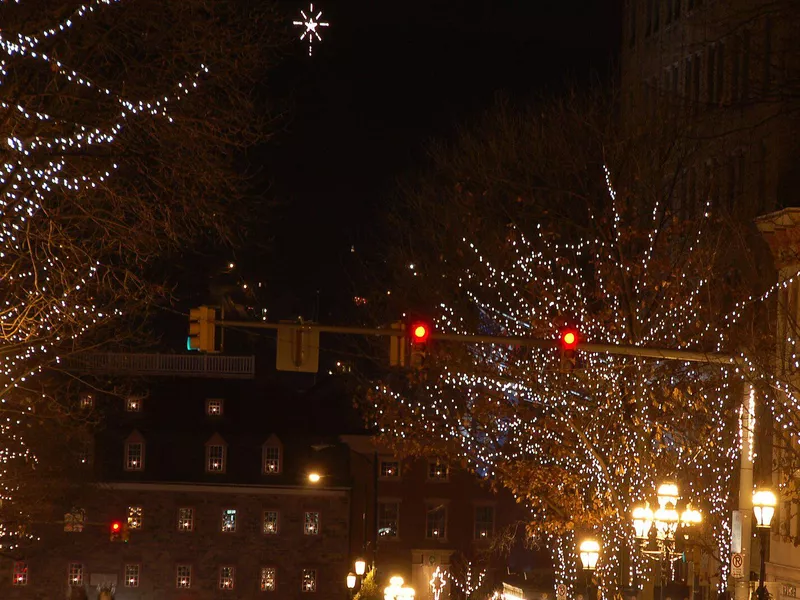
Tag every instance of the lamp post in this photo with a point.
(589, 553)
(764, 503)
(667, 520)
(360, 566)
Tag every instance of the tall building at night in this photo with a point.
(728, 73)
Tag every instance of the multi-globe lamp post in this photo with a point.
(764, 503)
(589, 552)
(666, 520)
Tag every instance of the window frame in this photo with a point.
(132, 523)
(212, 401)
(265, 450)
(87, 401)
(261, 580)
(178, 576)
(432, 464)
(180, 520)
(127, 583)
(277, 521)
(391, 477)
(133, 404)
(305, 523)
(128, 463)
(430, 507)
(387, 502)
(235, 513)
(303, 589)
(475, 530)
(223, 458)
(19, 578)
(82, 573)
(72, 521)
(231, 577)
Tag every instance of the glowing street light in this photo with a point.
(314, 477)
(351, 581)
(764, 503)
(361, 566)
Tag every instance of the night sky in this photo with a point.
(387, 78)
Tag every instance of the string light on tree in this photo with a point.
(311, 25)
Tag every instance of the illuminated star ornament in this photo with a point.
(311, 24)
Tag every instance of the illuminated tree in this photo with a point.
(123, 122)
(553, 217)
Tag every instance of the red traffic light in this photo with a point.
(569, 339)
(116, 526)
(419, 332)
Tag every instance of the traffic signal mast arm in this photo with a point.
(640, 351)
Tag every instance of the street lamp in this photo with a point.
(666, 520)
(314, 477)
(589, 553)
(361, 566)
(351, 580)
(764, 503)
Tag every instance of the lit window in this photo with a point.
(214, 407)
(131, 575)
(74, 520)
(75, 576)
(135, 514)
(390, 468)
(309, 580)
(436, 522)
(229, 520)
(267, 579)
(311, 523)
(226, 578)
(271, 522)
(134, 456)
(388, 515)
(184, 576)
(437, 471)
(484, 522)
(215, 459)
(87, 401)
(272, 459)
(133, 404)
(185, 519)
(20, 576)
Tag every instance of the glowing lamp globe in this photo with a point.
(589, 552)
(667, 494)
(642, 521)
(691, 516)
(666, 522)
(351, 581)
(764, 503)
(361, 566)
(314, 477)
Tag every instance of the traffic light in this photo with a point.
(418, 333)
(569, 344)
(116, 531)
(119, 532)
(201, 329)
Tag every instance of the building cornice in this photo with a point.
(218, 488)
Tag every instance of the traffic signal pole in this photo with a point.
(528, 342)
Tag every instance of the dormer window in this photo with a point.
(216, 454)
(272, 456)
(134, 452)
(214, 407)
(390, 468)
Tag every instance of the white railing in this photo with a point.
(186, 365)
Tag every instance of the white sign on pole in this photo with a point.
(737, 565)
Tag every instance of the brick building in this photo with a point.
(425, 515)
(215, 500)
